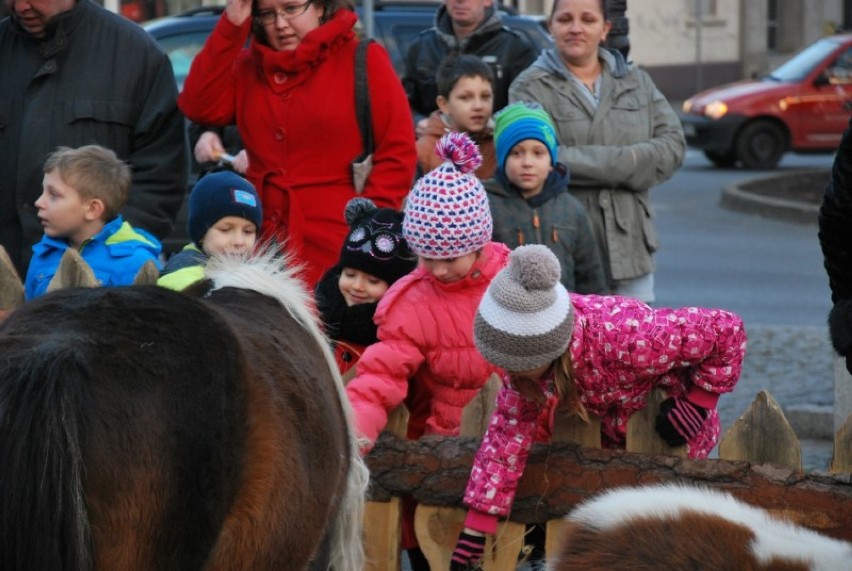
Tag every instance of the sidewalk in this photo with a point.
(795, 365)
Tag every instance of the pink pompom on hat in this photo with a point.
(446, 213)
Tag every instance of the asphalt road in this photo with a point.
(767, 270)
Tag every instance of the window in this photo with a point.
(772, 25)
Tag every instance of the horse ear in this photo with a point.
(73, 271)
(11, 288)
(147, 274)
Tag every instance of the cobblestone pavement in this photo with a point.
(794, 364)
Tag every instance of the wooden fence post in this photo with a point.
(841, 459)
(571, 429)
(642, 436)
(438, 528)
(11, 288)
(147, 274)
(383, 520)
(762, 435)
(73, 271)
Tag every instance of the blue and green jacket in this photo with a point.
(183, 269)
(115, 254)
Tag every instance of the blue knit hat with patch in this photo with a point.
(518, 122)
(220, 194)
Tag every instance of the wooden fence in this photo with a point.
(760, 462)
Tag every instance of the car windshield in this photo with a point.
(801, 64)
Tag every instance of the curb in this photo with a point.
(811, 421)
(739, 196)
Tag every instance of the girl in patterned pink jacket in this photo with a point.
(598, 354)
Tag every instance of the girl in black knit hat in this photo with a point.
(373, 257)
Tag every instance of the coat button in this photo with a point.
(280, 77)
(279, 134)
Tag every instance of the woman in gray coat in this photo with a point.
(618, 135)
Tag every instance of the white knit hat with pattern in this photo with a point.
(525, 318)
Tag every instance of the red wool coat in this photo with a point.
(295, 111)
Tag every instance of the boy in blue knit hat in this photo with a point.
(84, 189)
(529, 197)
(224, 219)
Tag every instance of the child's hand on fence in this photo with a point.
(679, 420)
(469, 551)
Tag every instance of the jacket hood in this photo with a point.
(444, 27)
(556, 183)
(550, 61)
(121, 238)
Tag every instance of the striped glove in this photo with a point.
(679, 420)
(468, 553)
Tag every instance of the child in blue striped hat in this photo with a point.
(530, 202)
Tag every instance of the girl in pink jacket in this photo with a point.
(425, 356)
(598, 354)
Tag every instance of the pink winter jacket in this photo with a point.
(425, 355)
(621, 349)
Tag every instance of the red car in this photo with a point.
(802, 106)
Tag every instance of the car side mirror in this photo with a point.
(822, 79)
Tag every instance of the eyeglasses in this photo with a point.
(269, 17)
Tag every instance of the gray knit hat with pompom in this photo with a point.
(525, 318)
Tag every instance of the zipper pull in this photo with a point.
(554, 235)
(536, 222)
(520, 237)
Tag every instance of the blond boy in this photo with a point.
(83, 191)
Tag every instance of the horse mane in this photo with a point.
(275, 275)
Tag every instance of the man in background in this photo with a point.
(74, 74)
(464, 27)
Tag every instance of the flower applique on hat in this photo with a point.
(447, 213)
(525, 318)
(375, 243)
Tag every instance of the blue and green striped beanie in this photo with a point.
(521, 121)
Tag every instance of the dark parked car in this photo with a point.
(395, 26)
(803, 106)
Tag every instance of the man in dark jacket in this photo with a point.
(464, 27)
(72, 74)
(835, 237)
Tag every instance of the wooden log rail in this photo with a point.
(435, 471)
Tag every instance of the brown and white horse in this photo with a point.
(146, 429)
(680, 527)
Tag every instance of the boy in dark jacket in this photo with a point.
(225, 214)
(530, 202)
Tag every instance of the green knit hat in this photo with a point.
(521, 121)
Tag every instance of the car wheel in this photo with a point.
(721, 160)
(760, 145)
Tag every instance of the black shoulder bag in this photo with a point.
(363, 164)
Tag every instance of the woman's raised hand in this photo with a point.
(238, 11)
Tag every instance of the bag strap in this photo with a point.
(362, 97)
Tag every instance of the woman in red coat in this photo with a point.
(291, 93)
